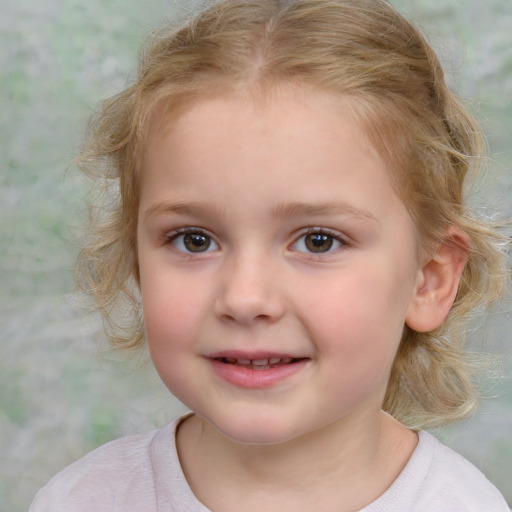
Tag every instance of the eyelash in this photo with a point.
(171, 238)
(335, 238)
(333, 235)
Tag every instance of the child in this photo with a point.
(285, 219)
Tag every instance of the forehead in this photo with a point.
(259, 112)
(250, 156)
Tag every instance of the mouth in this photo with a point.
(257, 370)
(260, 363)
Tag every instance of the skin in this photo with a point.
(252, 178)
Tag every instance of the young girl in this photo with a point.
(285, 222)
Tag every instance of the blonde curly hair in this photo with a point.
(358, 48)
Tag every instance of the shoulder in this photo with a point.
(115, 476)
(453, 476)
(437, 478)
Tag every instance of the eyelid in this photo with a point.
(336, 235)
(344, 239)
(171, 236)
(328, 231)
(187, 229)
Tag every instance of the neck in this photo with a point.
(320, 470)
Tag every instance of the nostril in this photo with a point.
(249, 311)
(248, 296)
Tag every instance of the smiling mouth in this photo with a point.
(259, 364)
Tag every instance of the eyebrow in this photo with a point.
(319, 209)
(180, 209)
(285, 210)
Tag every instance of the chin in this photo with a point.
(260, 432)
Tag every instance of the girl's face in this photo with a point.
(277, 264)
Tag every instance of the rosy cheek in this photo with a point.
(170, 315)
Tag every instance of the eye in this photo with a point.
(317, 242)
(193, 242)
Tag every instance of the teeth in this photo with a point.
(259, 362)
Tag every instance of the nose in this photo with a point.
(249, 293)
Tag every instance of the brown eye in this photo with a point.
(196, 242)
(193, 242)
(319, 242)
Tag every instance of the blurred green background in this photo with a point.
(62, 392)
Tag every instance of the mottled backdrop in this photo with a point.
(61, 392)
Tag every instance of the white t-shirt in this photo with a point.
(142, 473)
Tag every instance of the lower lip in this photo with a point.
(255, 379)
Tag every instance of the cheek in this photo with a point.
(359, 317)
(171, 324)
(170, 312)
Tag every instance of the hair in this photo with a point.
(362, 49)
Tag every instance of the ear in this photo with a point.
(438, 282)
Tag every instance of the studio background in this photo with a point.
(62, 393)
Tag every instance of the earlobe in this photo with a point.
(438, 282)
